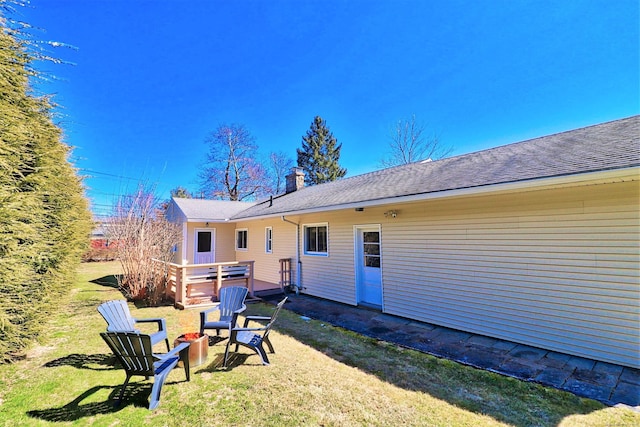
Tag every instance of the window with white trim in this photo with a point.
(316, 239)
(241, 239)
(268, 240)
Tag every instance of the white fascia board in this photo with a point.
(576, 180)
(220, 221)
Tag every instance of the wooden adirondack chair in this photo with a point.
(254, 338)
(134, 352)
(230, 306)
(119, 319)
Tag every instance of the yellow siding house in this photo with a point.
(536, 242)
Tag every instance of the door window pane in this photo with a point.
(371, 237)
(372, 261)
(371, 249)
(204, 241)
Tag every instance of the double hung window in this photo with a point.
(268, 240)
(241, 239)
(316, 239)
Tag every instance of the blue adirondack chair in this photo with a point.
(119, 319)
(134, 352)
(230, 306)
(254, 338)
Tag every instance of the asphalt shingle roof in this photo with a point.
(210, 210)
(607, 146)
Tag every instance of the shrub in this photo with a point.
(143, 238)
(44, 216)
(100, 254)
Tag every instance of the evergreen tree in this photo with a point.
(320, 154)
(44, 218)
(181, 192)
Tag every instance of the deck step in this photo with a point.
(267, 292)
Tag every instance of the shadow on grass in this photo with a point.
(110, 281)
(215, 339)
(505, 399)
(136, 394)
(94, 362)
(217, 364)
(75, 410)
(234, 360)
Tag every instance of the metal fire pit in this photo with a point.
(198, 347)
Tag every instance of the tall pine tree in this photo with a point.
(319, 154)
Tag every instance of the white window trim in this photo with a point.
(268, 240)
(246, 242)
(304, 239)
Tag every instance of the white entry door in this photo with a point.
(204, 246)
(368, 265)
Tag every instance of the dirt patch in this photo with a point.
(38, 351)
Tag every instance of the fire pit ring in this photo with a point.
(198, 347)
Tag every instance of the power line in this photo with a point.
(112, 175)
(109, 174)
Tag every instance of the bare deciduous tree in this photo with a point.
(142, 234)
(409, 143)
(279, 166)
(232, 171)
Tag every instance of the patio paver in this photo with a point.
(605, 382)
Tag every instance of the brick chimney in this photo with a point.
(295, 180)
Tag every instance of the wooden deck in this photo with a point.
(260, 287)
(198, 285)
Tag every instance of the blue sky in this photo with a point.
(151, 79)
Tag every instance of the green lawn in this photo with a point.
(320, 376)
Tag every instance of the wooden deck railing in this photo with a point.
(205, 280)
